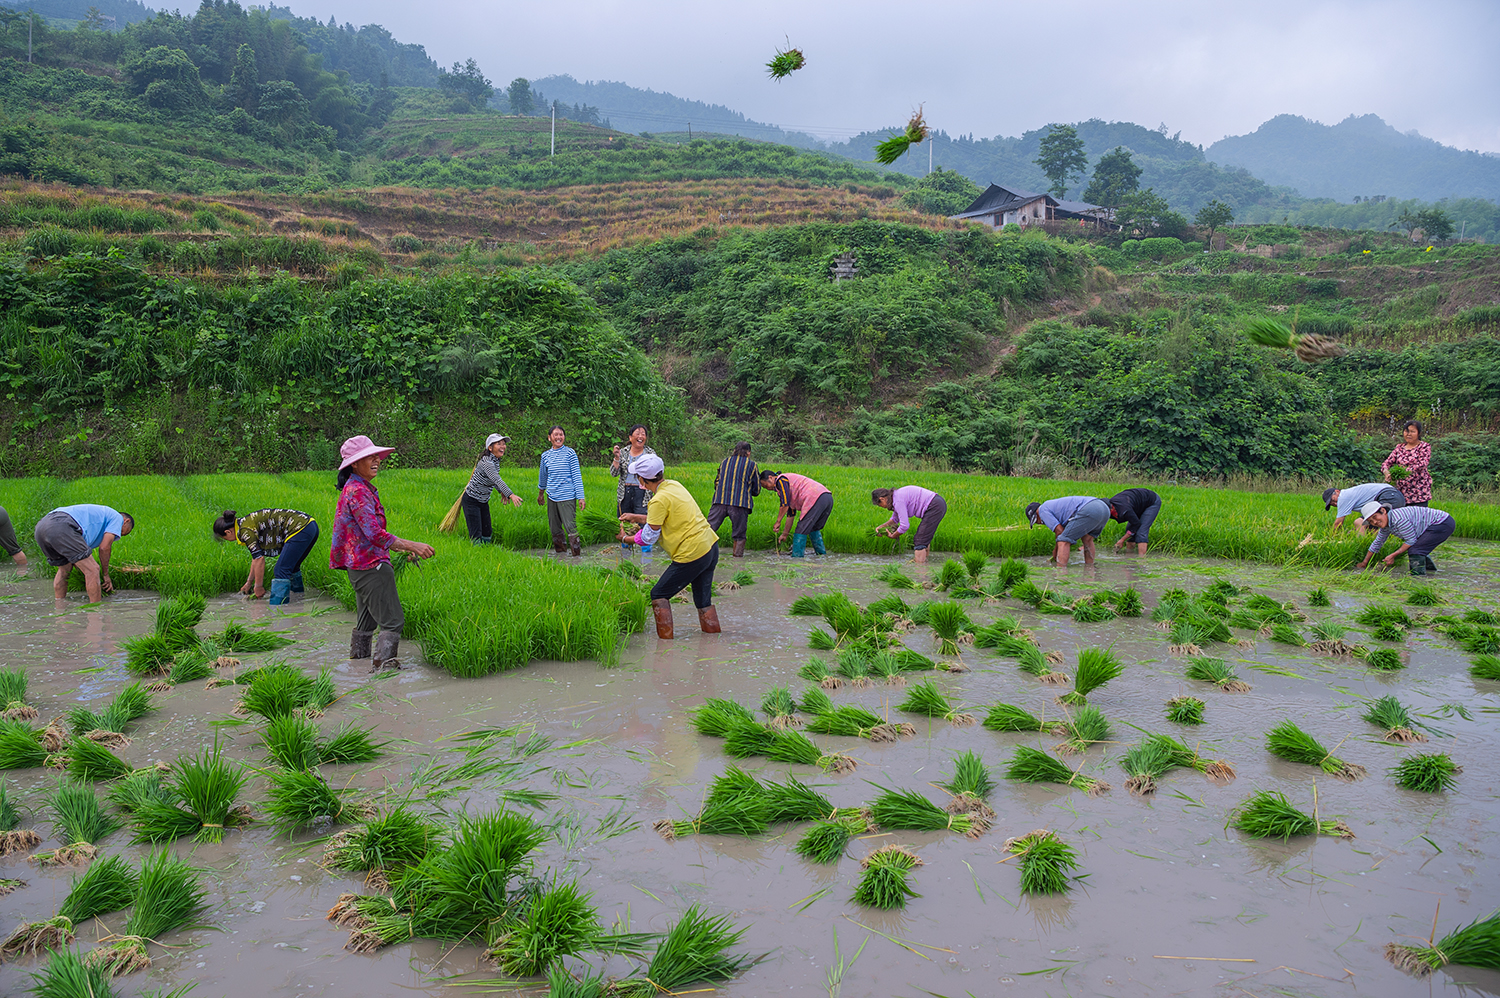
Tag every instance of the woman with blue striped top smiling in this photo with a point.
(560, 488)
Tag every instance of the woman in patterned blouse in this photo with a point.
(1414, 454)
(485, 480)
(286, 534)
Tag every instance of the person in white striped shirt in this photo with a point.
(559, 487)
(1420, 528)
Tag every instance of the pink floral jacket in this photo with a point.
(1416, 486)
(360, 540)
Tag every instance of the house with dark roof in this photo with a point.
(1000, 206)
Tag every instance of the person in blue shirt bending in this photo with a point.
(1072, 519)
(68, 537)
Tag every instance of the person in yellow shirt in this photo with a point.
(673, 517)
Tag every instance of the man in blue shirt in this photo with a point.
(1072, 519)
(1357, 497)
(68, 536)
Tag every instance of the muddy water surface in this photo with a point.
(1164, 878)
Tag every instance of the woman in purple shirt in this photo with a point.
(911, 502)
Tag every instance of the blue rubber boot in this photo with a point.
(296, 581)
(799, 545)
(817, 542)
(281, 591)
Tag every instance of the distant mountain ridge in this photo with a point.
(1361, 156)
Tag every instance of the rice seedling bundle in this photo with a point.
(970, 786)
(13, 705)
(1185, 710)
(1388, 631)
(1289, 742)
(1130, 603)
(845, 617)
(1088, 726)
(825, 841)
(1096, 666)
(779, 706)
(816, 670)
(820, 640)
(796, 748)
(1375, 614)
(168, 898)
(784, 64)
(815, 701)
(279, 689)
(241, 640)
(806, 606)
(1480, 617)
(350, 744)
(192, 665)
(1220, 591)
(177, 616)
(694, 951)
(921, 613)
(1429, 773)
(1045, 862)
(1090, 613)
(1010, 572)
(748, 738)
(1485, 667)
(795, 801)
(106, 886)
(989, 636)
(885, 882)
(951, 574)
(947, 619)
(1482, 640)
(886, 666)
(1424, 596)
(1269, 815)
(1009, 717)
(1145, 762)
(1384, 660)
(1388, 714)
(716, 716)
(133, 702)
(926, 699)
(1286, 634)
(893, 148)
(387, 843)
(1030, 765)
(1217, 770)
(203, 794)
(854, 668)
(1475, 945)
(856, 722)
(1217, 672)
(291, 742)
(79, 821)
(1319, 597)
(138, 786)
(559, 922)
(908, 810)
(13, 839)
(1029, 658)
(892, 576)
(739, 814)
(1028, 592)
(912, 661)
(300, 798)
(1056, 609)
(87, 761)
(20, 745)
(893, 605)
(148, 654)
(1328, 639)
(1310, 348)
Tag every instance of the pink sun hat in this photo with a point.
(359, 447)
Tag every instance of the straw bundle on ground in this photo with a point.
(885, 883)
(1269, 815)
(1096, 666)
(1388, 714)
(1046, 862)
(1429, 773)
(1030, 765)
(1215, 671)
(926, 699)
(908, 810)
(168, 898)
(1290, 742)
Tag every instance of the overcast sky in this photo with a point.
(996, 67)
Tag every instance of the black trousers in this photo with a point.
(738, 517)
(294, 552)
(476, 516)
(633, 499)
(1430, 538)
(816, 517)
(698, 573)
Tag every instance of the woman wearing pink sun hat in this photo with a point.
(361, 546)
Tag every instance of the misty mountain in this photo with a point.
(117, 13)
(1361, 156)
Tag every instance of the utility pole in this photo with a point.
(30, 20)
(690, 131)
(930, 140)
(554, 129)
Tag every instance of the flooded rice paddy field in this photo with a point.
(1164, 879)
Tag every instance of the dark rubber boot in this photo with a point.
(1418, 565)
(663, 610)
(297, 582)
(575, 546)
(359, 645)
(817, 542)
(385, 651)
(1431, 565)
(739, 549)
(799, 545)
(708, 619)
(559, 546)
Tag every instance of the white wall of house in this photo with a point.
(1027, 214)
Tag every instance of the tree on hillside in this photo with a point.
(244, 82)
(1062, 158)
(1115, 177)
(467, 82)
(1148, 213)
(942, 192)
(519, 95)
(1214, 215)
(1434, 223)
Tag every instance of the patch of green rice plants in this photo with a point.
(1429, 773)
(1244, 619)
(68, 975)
(1009, 717)
(1031, 765)
(291, 742)
(694, 951)
(926, 699)
(140, 785)
(885, 883)
(1481, 640)
(820, 640)
(88, 761)
(1375, 614)
(884, 665)
(739, 815)
(1085, 728)
(241, 640)
(1010, 572)
(9, 818)
(79, 821)
(951, 574)
(892, 605)
(747, 739)
(350, 744)
(1388, 714)
(1028, 592)
(1220, 591)
(779, 707)
(1090, 613)
(1419, 595)
(990, 635)
(559, 922)
(1145, 762)
(854, 667)
(1475, 945)
(1046, 862)
(208, 785)
(168, 898)
(855, 722)
(1319, 597)
(716, 716)
(1480, 617)
(148, 654)
(1217, 770)
(388, 842)
(892, 576)
(1286, 634)
(806, 606)
(107, 885)
(970, 785)
(825, 841)
(20, 745)
(1269, 815)
(947, 619)
(1217, 672)
(1289, 742)
(1130, 603)
(909, 810)
(815, 701)
(795, 801)
(190, 666)
(13, 705)
(298, 799)
(277, 690)
(1486, 667)
(845, 617)
(1096, 666)
(1384, 660)
(815, 670)
(1185, 710)
(1030, 659)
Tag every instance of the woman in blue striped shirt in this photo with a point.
(560, 489)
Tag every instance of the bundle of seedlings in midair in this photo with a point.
(1030, 659)
(12, 837)
(238, 639)
(909, 810)
(693, 952)
(929, 701)
(892, 576)
(1185, 710)
(301, 798)
(970, 786)
(1085, 728)
(13, 705)
(816, 670)
(854, 668)
(1269, 815)
(1419, 595)
(1328, 639)
(1096, 666)
(1217, 672)
(785, 63)
(1291, 743)
(201, 802)
(1388, 714)
(1485, 667)
(779, 707)
(108, 726)
(87, 761)
(1011, 572)
(826, 840)
(78, 820)
(168, 897)
(885, 884)
(20, 746)
(281, 689)
(1475, 945)
(1009, 717)
(1310, 348)
(947, 619)
(1384, 660)
(1130, 603)
(1030, 765)
(1429, 773)
(382, 846)
(1045, 862)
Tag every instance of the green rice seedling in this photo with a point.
(795, 801)
(297, 799)
(885, 883)
(79, 821)
(694, 951)
(1217, 672)
(106, 886)
(67, 974)
(1130, 603)
(1286, 634)
(796, 748)
(148, 654)
(1375, 614)
(1310, 348)
(12, 838)
(806, 606)
(1481, 640)
(893, 605)
(1009, 717)
(1319, 597)
(168, 898)
(1289, 742)
(820, 640)
(190, 666)
(1096, 666)
(1475, 945)
(947, 620)
(140, 785)
(747, 738)
(892, 576)
(350, 744)
(743, 578)
(886, 666)
(908, 810)
(1056, 609)
(208, 785)
(784, 64)
(1269, 815)
(291, 742)
(825, 841)
(1384, 660)
(1217, 770)
(815, 701)
(1029, 592)
(1247, 620)
(989, 635)
(854, 668)
(559, 922)
(1424, 596)
(1030, 765)
(816, 670)
(970, 786)
(779, 707)
(1086, 727)
(927, 700)
(1220, 591)
(848, 720)
(1486, 667)
(1187, 638)
(1030, 659)
(1388, 631)
(912, 661)
(87, 761)
(176, 617)
(1174, 595)
(1089, 613)
(387, 843)
(1145, 762)
(951, 574)
(20, 746)
(1388, 714)
(975, 562)
(13, 705)
(241, 640)
(1010, 572)
(921, 613)
(1328, 639)
(1428, 773)
(740, 815)
(277, 690)
(845, 617)
(894, 147)
(1185, 710)
(1045, 862)
(1480, 617)
(716, 716)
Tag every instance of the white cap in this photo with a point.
(1369, 509)
(647, 466)
(494, 438)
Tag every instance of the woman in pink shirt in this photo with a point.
(799, 494)
(1414, 454)
(908, 503)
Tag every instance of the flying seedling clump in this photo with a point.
(1269, 815)
(784, 64)
(1290, 742)
(884, 883)
(1045, 862)
(1309, 348)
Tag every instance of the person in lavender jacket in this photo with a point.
(911, 502)
(1421, 529)
(1072, 519)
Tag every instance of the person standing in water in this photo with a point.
(1420, 528)
(1072, 519)
(485, 481)
(68, 536)
(673, 517)
(630, 498)
(804, 501)
(559, 487)
(288, 535)
(1137, 509)
(911, 502)
(8, 540)
(1413, 454)
(735, 488)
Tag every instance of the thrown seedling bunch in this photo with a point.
(1384, 660)
(152, 654)
(544, 927)
(826, 840)
(1215, 671)
(926, 699)
(1319, 597)
(856, 722)
(887, 666)
(1290, 742)
(854, 667)
(108, 885)
(1475, 945)
(951, 576)
(1388, 713)
(779, 707)
(1428, 773)
(1269, 815)
(908, 810)
(947, 620)
(1328, 639)
(1029, 658)
(384, 845)
(694, 951)
(785, 63)
(1310, 348)
(241, 640)
(970, 786)
(885, 883)
(1129, 603)
(1485, 667)
(1144, 763)
(1185, 710)
(1085, 728)
(1046, 862)
(1030, 765)
(1092, 613)
(1096, 666)
(1419, 595)
(892, 576)
(895, 147)
(299, 798)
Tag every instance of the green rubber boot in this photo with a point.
(799, 545)
(817, 542)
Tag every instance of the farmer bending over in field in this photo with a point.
(8, 540)
(1137, 509)
(1421, 528)
(911, 502)
(735, 488)
(1358, 496)
(285, 534)
(1072, 518)
(361, 546)
(68, 536)
(674, 516)
(800, 494)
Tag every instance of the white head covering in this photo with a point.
(647, 466)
